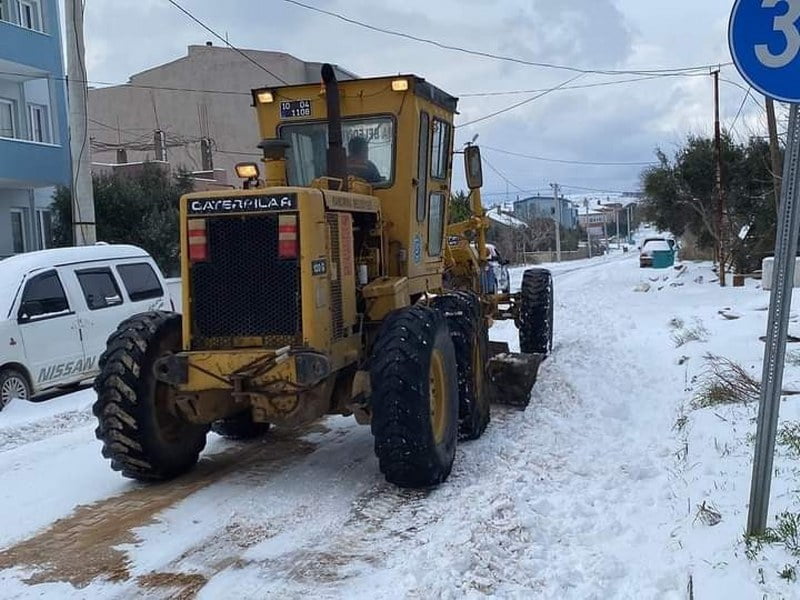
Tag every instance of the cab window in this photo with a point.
(440, 149)
(99, 288)
(140, 281)
(422, 164)
(369, 144)
(436, 224)
(43, 297)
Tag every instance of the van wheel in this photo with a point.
(13, 386)
(142, 433)
(414, 398)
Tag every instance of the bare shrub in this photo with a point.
(725, 382)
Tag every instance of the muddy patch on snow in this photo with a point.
(85, 545)
(178, 586)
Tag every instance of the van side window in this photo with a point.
(44, 296)
(99, 288)
(141, 281)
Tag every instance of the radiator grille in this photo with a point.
(337, 319)
(244, 289)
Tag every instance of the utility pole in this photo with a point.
(83, 218)
(628, 214)
(720, 212)
(775, 151)
(588, 227)
(557, 216)
(619, 241)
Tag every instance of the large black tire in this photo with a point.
(413, 361)
(141, 436)
(14, 385)
(239, 427)
(471, 343)
(536, 312)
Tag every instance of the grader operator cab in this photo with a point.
(331, 284)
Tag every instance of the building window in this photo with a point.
(19, 228)
(7, 125)
(3, 11)
(39, 122)
(30, 14)
(44, 229)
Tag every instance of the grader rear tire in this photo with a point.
(471, 342)
(140, 434)
(239, 427)
(536, 312)
(414, 379)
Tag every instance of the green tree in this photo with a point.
(140, 209)
(680, 196)
(460, 209)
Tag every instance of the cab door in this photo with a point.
(438, 184)
(49, 329)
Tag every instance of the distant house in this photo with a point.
(509, 234)
(543, 207)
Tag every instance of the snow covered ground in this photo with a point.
(594, 492)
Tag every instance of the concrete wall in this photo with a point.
(187, 116)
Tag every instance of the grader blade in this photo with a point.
(512, 375)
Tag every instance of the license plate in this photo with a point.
(295, 109)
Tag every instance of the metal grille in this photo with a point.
(244, 289)
(337, 319)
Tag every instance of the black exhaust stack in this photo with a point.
(337, 158)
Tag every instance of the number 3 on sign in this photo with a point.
(786, 25)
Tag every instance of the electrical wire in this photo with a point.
(492, 55)
(739, 112)
(568, 162)
(518, 104)
(226, 42)
(582, 86)
(503, 177)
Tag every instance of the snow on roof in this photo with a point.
(498, 216)
(16, 268)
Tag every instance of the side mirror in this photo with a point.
(473, 167)
(29, 310)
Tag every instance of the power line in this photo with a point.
(748, 92)
(582, 86)
(503, 177)
(226, 42)
(491, 55)
(739, 112)
(569, 162)
(518, 104)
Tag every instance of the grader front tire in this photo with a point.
(141, 435)
(414, 398)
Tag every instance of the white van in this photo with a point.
(58, 307)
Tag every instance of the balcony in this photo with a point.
(26, 38)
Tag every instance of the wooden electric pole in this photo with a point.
(83, 219)
(720, 209)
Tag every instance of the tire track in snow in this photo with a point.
(85, 545)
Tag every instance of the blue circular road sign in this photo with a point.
(764, 37)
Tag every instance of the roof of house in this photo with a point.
(498, 216)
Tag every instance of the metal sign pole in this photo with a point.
(775, 351)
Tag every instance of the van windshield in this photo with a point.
(369, 144)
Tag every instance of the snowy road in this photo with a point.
(574, 498)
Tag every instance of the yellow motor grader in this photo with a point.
(330, 284)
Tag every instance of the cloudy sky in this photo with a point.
(620, 123)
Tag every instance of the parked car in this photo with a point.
(58, 307)
(499, 267)
(651, 245)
